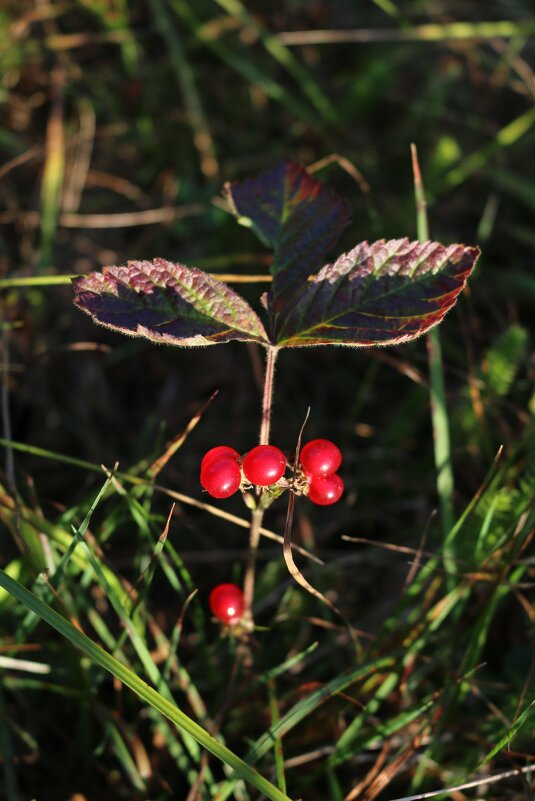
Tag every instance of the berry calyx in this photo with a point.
(264, 465)
(217, 453)
(226, 603)
(320, 457)
(221, 477)
(325, 490)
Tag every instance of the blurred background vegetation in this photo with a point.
(121, 122)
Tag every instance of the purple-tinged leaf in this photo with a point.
(380, 294)
(169, 303)
(297, 216)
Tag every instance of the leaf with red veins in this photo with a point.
(169, 303)
(296, 215)
(380, 294)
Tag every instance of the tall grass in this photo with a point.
(114, 681)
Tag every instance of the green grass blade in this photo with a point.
(345, 743)
(54, 170)
(202, 136)
(508, 736)
(37, 280)
(247, 68)
(301, 710)
(439, 412)
(506, 137)
(277, 745)
(124, 756)
(286, 58)
(146, 693)
(308, 705)
(6, 748)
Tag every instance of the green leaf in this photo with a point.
(169, 303)
(380, 294)
(142, 690)
(294, 214)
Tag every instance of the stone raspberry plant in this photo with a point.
(380, 293)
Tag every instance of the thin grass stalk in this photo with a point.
(184, 73)
(277, 745)
(439, 412)
(54, 169)
(6, 748)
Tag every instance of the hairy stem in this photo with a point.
(267, 400)
(258, 513)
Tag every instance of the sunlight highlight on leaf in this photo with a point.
(380, 294)
(169, 303)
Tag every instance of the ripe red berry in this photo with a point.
(264, 465)
(226, 603)
(221, 478)
(325, 490)
(320, 457)
(217, 453)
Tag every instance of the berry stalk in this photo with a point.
(267, 400)
(258, 513)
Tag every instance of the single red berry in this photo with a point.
(221, 478)
(325, 490)
(226, 603)
(264, 465)
(320, 457)
(217, 453)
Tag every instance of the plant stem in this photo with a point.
(267, 400)
(249, 578)
(258, 513)
(439, 412)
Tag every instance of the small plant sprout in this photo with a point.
(380, 293)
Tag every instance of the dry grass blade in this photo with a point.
(387, 546)
(238, 521)
(372, 773)
(172, 447)
(390, 772)
(290, 563)
(468, 785)
(54, 169)
(128, 219)
(77, 172)
(346, 165)
(455, 31)
(288, 555)
(135, 591)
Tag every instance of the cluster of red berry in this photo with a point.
(221, 475)
(223, 470)
(320, 459)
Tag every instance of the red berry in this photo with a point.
(226, 603)
(320, 457)
(221, 478)
(325, 490)
(264, 465)
(217, 453)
